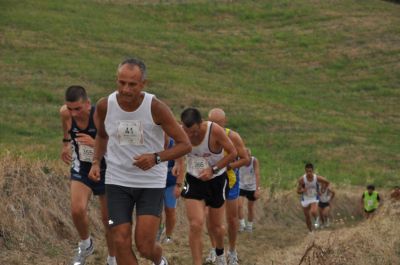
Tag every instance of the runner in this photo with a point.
(370, 201)
(395, 194)
(172, 192)
(131, 125)
(218, 116)
(79, 133)
(250, 189)
(326, 196)
(308, 188)
(206, 181)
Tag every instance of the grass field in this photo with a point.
(301, 81)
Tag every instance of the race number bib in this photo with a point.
(311, 193)
(86, 153)
(370, 202)
(130, 132)
(197, 164)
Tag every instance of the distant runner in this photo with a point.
(370, 201)
(326, 196)
(249, 188)
(395, 194)
(308, 188)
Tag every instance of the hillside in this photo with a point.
(300, 80)
(36, 227)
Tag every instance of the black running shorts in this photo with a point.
(214, 191)
(249, 194)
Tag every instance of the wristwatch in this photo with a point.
(157, 158)
(215, 170)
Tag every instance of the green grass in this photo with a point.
(301, 81)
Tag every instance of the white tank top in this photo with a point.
(201, 156)
(311, 192)
(248, 177)
(132, 134)
(325, 196)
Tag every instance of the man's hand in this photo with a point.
(66, 153)
(176, 170)
(94, 173)
(85, 139)
(206, 174)
(257, 194)
(144, 162)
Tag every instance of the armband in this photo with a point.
(66, 140)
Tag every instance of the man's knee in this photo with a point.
(145, 248)
(78, 211)
(120, 238)
(196, 226)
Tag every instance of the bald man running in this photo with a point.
(218, 116)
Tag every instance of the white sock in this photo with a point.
(86, 243)
(232, 252)
(111, 260)
(242, 222)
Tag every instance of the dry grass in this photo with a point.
(36, 226)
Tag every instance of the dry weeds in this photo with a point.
(36, 227)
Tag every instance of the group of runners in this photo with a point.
(130, 150)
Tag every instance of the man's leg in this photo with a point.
(216, 217)
(145, 237)
(250, 206)
(195, 214)
(80, 195)
(170, 221)
(233, 222)
(104, 218)
(241, 207)
(122, 239)
(306, 211)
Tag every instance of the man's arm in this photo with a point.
(101, 140)
(162, 116)
(244, 158)
(66, 125)
(179, 171)
(323, 180)
(223, 140)
(300, 186)
(333, 194)
(256, 166)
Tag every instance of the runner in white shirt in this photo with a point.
(206, 181)
(131, 126)
(308, 188)
(326, 196)
(249, 188)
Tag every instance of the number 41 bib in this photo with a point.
(130, 132)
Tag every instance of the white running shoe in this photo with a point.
(242, 228)
(112, 262)
(82, 253)
(167, 240)
(220, 260)
(316, 223)
(232, 258)
(163, 261)
(248, 228)
(212, 256)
